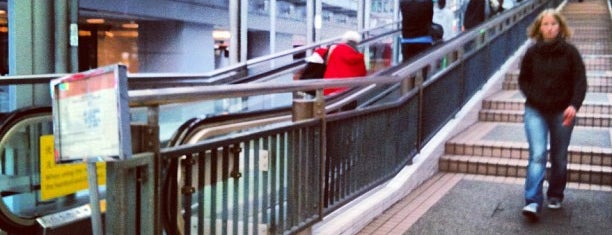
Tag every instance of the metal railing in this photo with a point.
(22, 160)
(283, 178)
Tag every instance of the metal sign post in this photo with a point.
(94, 197)
(91, 123)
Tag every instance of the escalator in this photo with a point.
(446, 57)
(23, 211)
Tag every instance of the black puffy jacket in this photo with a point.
(553, 76)
(416, 17)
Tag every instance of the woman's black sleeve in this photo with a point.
(579, 78)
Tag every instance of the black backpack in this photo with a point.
(436, 32)
(315, 70)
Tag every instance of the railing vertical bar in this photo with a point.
(256, 186)
(247, 180)
(274, 204)
(291, 195)
(346, 180)
(235, 177)
(225, 185)
(300, 181)
(363, 149)
(335, 164)
(265, 205)
(213, 190)
(306, 143)
(187, 192)
(348, 159)
(310, 195)
(299, 174)
(281, 181)
(315, 169)
(325, 177)
(201, 191)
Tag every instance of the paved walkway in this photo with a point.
(458, 203)
(452, 203)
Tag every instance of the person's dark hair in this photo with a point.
(441, 4)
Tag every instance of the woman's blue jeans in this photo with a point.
(538, 126)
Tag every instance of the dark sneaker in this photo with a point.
(554, 203)
(531, 211)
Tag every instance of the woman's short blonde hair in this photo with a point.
(534, 29)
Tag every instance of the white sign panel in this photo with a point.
(90, 115)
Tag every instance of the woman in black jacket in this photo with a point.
(553, 80)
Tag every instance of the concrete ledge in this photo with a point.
(353, 217)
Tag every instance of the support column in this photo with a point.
(363, 14)
(30, 52)
(243, 19)
(73, 10)
(66, 36)
(310, 19)
(61, 36)
(273, 15)
(234, 26)
(314, 21)
(396, 42)
(43, 38)
(318, 23)
(31, 43)
(238, 31)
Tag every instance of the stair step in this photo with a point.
(516, 116)
(605, 74)
(597, 66)
(595, 48)
(497, 146)
(494, 166)
(600, 81)
(507, 140)
(594, 103)
(594, 86)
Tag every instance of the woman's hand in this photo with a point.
(568, 115)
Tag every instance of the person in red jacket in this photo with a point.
(345, 61)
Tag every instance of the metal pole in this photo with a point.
(310, 22)
(318, 20)
(73, 8)
(319, 112)
(234, 29)
(396, 17)
(61, 36)
(94, 198)
(242, 20)
(272, 26)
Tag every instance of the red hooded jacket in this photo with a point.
(343, 61)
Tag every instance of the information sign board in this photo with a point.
(90, 115)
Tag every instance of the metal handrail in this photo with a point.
(210, 76)
(153, 98)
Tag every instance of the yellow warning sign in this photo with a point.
(58, 180)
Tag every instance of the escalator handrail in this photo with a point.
(9, 221)
(410, 68)
(305, 48)
(212, 77)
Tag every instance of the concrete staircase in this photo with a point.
(496, 145)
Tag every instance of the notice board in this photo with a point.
(91, 115)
